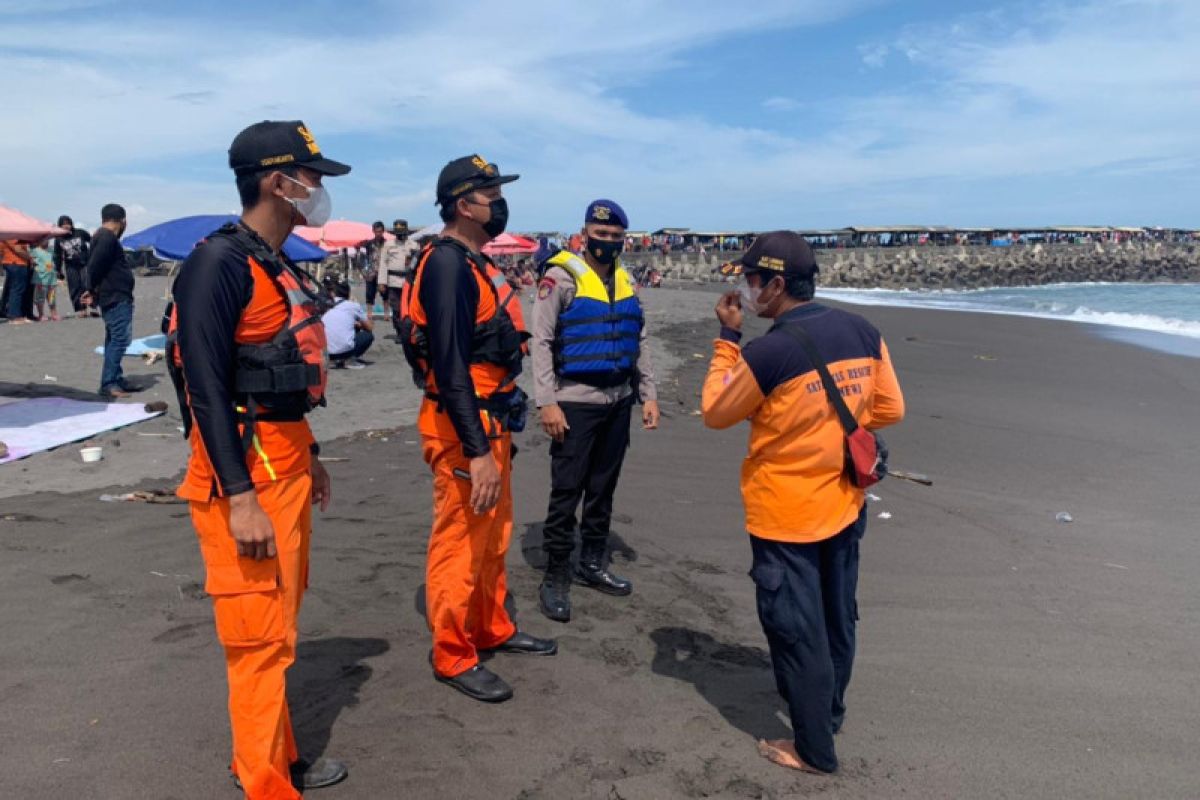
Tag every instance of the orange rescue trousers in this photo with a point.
(465, 581)
(255, 604)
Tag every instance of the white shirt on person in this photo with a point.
(339, 325)
(394, 260)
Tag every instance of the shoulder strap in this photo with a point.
(797, 332)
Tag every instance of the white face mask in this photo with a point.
(749, 295)
(315, 208)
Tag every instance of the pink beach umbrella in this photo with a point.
(18, 225)
(507, 244)
(338, 234)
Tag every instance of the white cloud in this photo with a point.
(781, 104)
(108, 102)
(874, 55)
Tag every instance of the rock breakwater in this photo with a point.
(970, 267)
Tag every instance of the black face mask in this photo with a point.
(604, 252)
(499, 219)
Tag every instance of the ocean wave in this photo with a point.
(1041, 308)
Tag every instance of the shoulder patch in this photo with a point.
(545, 288)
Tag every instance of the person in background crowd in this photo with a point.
(45, 282)
(347, 330)
(110, 284)
(395, 261)
(71, 252)
(369, 253)
(14, 255)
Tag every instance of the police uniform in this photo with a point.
(803, 514)
(590, 358)
(246, 353)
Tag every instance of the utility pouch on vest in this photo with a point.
(866, 452)
(509, 409)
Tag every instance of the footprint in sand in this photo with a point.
(179, 633)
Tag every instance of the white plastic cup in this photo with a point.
(91, 455)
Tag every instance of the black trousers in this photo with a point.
(586, 465)
(372, 287)
(75, 285)
(808, 610)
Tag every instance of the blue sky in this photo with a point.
(707, 115)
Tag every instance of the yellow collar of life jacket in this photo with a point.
(588, 284)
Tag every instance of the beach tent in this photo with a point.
(18, 225)
(175, 239)
(428, 231)
(506, 244)
(340, 233)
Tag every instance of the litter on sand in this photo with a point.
(885, 515)
(161, 496)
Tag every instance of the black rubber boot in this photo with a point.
(554, 596)
(591, 572)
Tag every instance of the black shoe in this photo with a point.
(526, 644)
(554, 595)
(479, 683)
(591, 573)
(317, 775)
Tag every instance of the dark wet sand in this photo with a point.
(1001, 654)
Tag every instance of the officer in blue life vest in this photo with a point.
(590, 366)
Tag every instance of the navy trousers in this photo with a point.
(807, 607)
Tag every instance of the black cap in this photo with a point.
(269, 144)
(778, 251)
(400, 226)
(466, 174)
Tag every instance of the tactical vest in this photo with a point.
(598, 339)
(498, 341)
(280, 380)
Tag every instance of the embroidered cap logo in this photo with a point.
(309, 140)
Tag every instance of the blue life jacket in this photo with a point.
(599, 338)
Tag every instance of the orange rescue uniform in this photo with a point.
(466, 583)
(255, 603)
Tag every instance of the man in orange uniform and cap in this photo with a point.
(246, 353)
(467, 351)
(805, 515)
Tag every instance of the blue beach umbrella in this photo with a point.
(175, 239)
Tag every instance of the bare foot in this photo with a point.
(783, 753)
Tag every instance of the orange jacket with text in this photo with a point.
(794, 484)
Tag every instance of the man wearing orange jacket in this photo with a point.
(246, 353)
(466, 351)
(804, 515)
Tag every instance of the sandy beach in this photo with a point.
(1001, 654)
